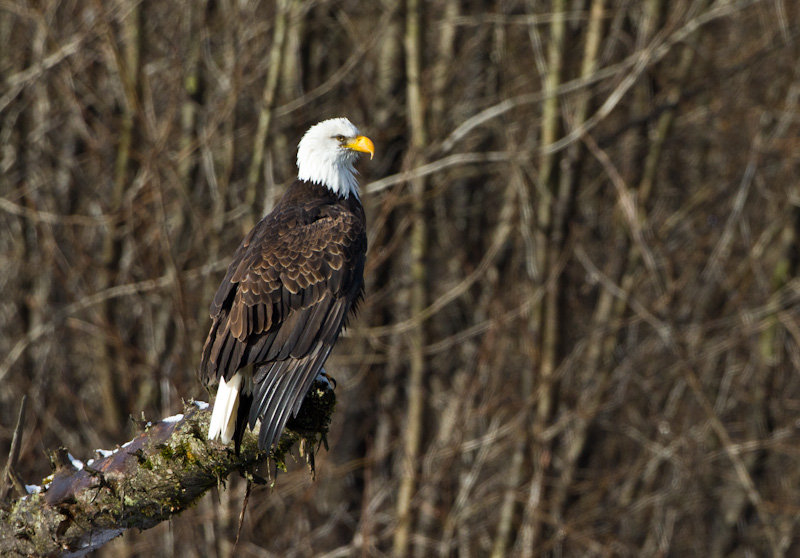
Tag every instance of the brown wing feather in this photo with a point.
(284, 300)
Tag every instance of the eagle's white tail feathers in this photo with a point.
(223, 418)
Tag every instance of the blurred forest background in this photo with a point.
(581, 331)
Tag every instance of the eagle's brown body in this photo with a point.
(291, 285)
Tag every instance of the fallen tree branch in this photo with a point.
(155, 476)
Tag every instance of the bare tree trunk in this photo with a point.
(430, 493)
(378, 477)
(543, 325)
(127, 68)
(412, 434)
(255, 196)
(567, 184)
(548, 317)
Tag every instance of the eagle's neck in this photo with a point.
(335, 171)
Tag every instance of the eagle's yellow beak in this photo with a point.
(363, 144)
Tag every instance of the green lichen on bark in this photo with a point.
(161, 472)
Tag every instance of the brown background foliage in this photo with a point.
(581, 332)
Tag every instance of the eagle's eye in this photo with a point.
(340, 138)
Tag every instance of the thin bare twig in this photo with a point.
(10, 475)
(40, 216)
(458, 159)
(627, 204)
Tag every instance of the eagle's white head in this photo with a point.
(327, 153)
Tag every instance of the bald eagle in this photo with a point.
(293, 281)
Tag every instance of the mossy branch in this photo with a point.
(158, 474)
